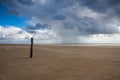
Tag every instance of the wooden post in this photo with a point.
(31, 48)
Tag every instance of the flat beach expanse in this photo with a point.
(60, 62)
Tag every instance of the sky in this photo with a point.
(59, 21)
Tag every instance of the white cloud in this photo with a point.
(104, 38)
(45, 35)
(12, 34)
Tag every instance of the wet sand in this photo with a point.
(59, 62)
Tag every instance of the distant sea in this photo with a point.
(92, 44)
(76, 44)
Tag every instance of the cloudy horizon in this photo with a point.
(60, 21)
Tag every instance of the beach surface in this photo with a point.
(59, 62)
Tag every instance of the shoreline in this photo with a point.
(83, 44)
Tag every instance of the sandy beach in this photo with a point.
(59, 62)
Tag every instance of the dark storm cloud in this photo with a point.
(38, 26)
(111, 7)
(66, 3)
(2, 38)
(26, 2)
(39, 8)
(14, 3)
(68, 25)
(13, 12)
(87, 26)
(10, 3)
(59, 17)
(91, 26)
(41, 26)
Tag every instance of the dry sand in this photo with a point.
(60, 62)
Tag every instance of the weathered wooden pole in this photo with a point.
(31, 48)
